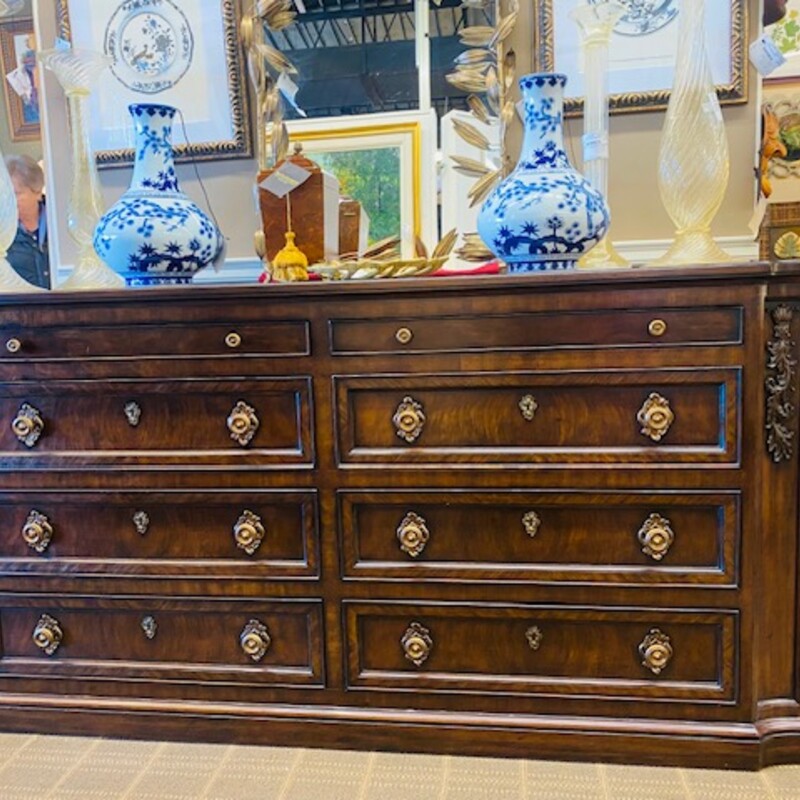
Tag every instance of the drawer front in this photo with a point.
(256, 642)
(635, 653)
(221, 534)
(61, 424)
(660, 327)
(153, 340)
(633, 537)
(622, 417)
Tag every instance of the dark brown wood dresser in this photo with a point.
(552, 516)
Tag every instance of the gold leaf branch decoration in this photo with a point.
(265, 64)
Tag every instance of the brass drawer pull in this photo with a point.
(531, 522)
(534, 637)
(13, 345)
(413, 534)
(133, 413)
(528, 406)
(656, 651)
(656, 536)
(37, 531)
(417, 643)
(149, 626)
(242, 423)
(409, 419)
(255, 639)
(47, 634)
(248, 532)
(657, 327)
(28, 425)
(141, 522)
(655, 417)
(404, 335)
(233, 340)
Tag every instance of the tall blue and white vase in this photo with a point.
(545, 215)
(154, 234)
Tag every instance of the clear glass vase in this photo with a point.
(78, 71)
(595, 25)
(693, 165)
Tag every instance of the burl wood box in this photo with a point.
(315, 213)
(353, 227)
(773, 243)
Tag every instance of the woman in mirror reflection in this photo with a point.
(28, 251)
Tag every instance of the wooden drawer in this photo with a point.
(604, 537)
(158, 639)
(611, 328)
(617, 652)
(260, 533)
(613, 417)
(81, 424)
(21, 342)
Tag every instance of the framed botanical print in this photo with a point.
(182, 53)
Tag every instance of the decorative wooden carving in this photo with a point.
(781, 365)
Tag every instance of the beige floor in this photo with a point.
(67, 768)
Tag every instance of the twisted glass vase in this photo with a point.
(78, 71)
(694, 165)
(595, 24)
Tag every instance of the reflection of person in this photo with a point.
(28, 252)
(774, 10)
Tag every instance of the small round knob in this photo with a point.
(656, 536)
(534, 637)
(417, 643)
(141, 522)
(404, 335)
(233, 340)
(528, 407)
(47, 634)
(413, 534)
(531, 522)
(657, 327)
(13, 345)
(28, 425)
(655, 651)
(409, 419)
(149, 626)
(255, 639)
(242, 423)
(37, 531)
(249, 532)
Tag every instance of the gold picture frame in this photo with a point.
(216, 72)
(18, 48)
(640, 86)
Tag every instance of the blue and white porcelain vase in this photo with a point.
(545, 215)
(154, 234)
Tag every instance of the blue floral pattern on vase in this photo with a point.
(545, 215)
(155, 234)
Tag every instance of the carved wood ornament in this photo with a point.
(781, 365)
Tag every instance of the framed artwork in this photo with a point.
(786, 34)
(182, 53)
(781, 113)
(642, 51)
(18, 51)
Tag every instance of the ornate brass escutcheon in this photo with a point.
(413, 534)
(28, 425)
(149, 626)
(534, 636)
(249, 532)
(133, 413)
(13, 345)
(243, 423)
(233, 340)
(656, 651)
(37, 531)
(141, 521)
(531, 522)
(657, 327)
(47, 634)
(404, 335)
(656, 536)
(409, 419)
(417, 643)
(655, 417)
(528, 407)
(255, 639)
